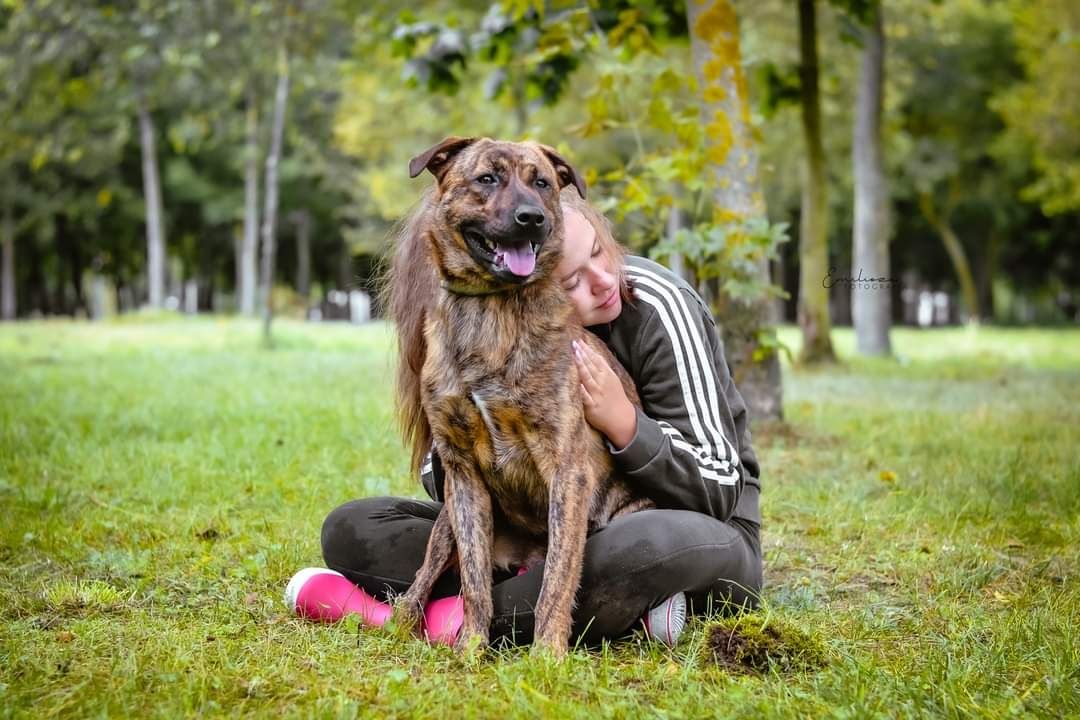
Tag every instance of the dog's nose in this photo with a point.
(529, 215)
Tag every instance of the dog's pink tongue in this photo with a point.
(521, 260)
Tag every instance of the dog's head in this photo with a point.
(498, 218)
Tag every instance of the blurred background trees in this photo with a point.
(135, 138)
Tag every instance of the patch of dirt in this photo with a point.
(750, 644)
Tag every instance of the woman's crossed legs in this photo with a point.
(630, 566)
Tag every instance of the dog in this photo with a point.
(486, 378)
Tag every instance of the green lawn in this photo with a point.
(160, 480)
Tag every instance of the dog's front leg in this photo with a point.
(440, 552)
(469, 508)
(568, 519)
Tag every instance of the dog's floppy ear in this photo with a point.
(566, 172)
(437, 159)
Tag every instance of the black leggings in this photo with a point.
(630, 566)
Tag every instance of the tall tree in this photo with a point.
(246, 259)
(813, 240)
(301, 222)
(714, 33)
(273, 158)
(871, 306)
(7, 264)
(960, 55)
(155, 228)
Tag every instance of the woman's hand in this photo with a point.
(606, 406)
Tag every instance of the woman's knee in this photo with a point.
(378, 534)
(348, 525)
(657, 533)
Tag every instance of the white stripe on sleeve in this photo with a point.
(695, 345)
(709, 466)
(679, 441)
(669, 302)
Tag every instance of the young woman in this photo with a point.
(688, 448)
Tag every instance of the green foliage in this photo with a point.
(980, 114)
(443, 49)
(533, 53)
(779, 87)
(652, 99)
(730, 252)
(1042, 111)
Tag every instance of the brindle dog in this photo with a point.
(485, 376)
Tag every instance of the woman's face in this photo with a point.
(586, 274)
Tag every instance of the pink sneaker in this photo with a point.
(326, 595)
(666, 621)
(442, 619)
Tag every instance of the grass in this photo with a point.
(161, 480)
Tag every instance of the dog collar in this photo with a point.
(470, 290)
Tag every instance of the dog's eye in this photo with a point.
(542, 183)
(486, 179)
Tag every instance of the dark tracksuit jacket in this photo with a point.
(692, 448)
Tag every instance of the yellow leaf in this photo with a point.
(887, 476)
(104, 198)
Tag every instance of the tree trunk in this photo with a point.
(778, 304)
(988, 268)
(302, 220)
(76, 266)
(955, 249)
(7, 274)
(714, 33)
(269, 229)
(871, 306)
(521, 101)
(245, 291)
(345, 271)
(676, 222)
(155, 234)
(813, 242)
(37, 286)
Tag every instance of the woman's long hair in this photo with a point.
(613, 250)
(407, 290)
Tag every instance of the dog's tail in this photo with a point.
(407, 290)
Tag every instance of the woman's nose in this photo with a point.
(600, 281)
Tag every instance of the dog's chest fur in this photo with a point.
(500, 402)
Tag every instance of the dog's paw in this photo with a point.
(471, 643)
(544, 650)
(552, 637)
(406, 619)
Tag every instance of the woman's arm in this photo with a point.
(680, 449)
(684, 453)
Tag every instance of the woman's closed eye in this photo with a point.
(577, 276)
